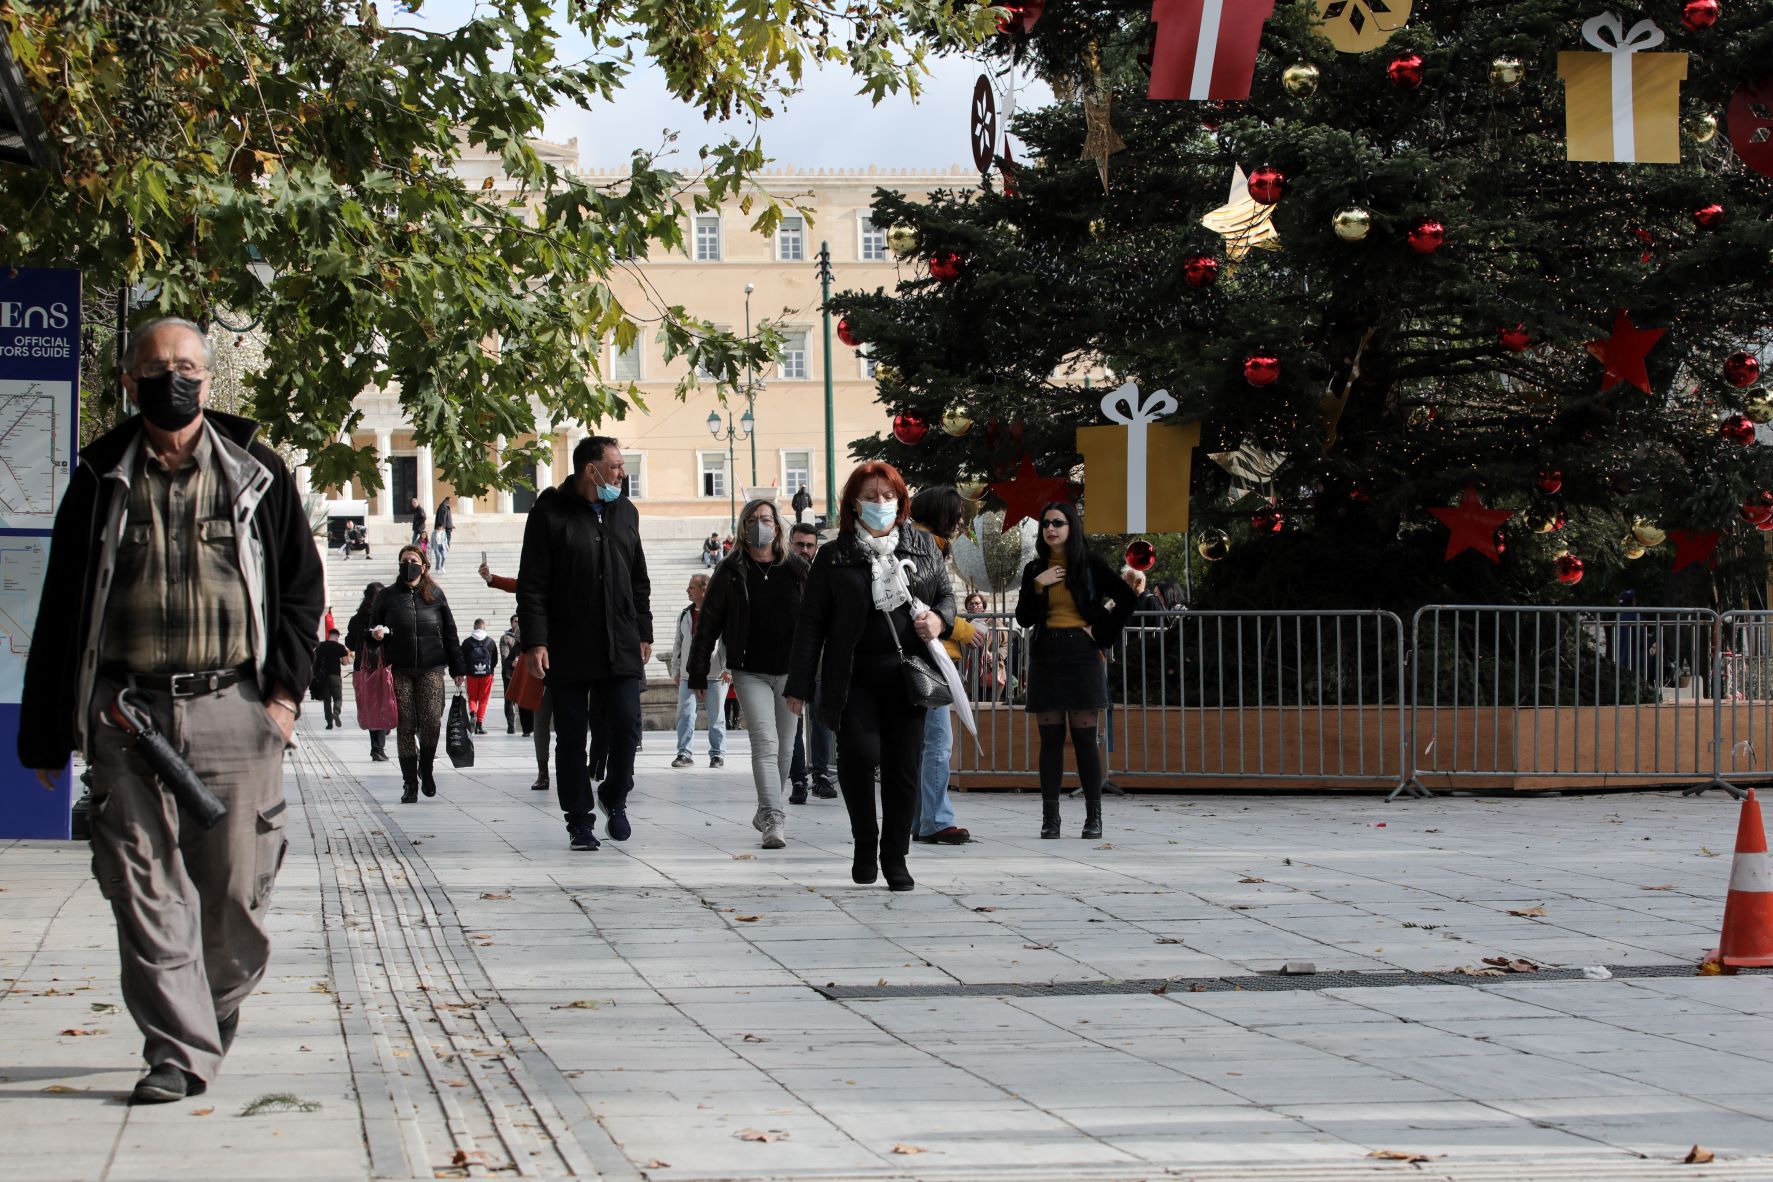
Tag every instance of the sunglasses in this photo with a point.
(1054, 523)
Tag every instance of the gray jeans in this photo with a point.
(190, 903)
(770, 724)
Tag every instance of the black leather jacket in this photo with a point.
(1106, 603)
(835, 609)
(422, 635)
(726, 613)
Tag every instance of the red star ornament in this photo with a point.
(1694, 546)
(1472, 526)
(1028, 492)
(1624, 351)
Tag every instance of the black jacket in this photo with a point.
(1106, 602)
(480, 657)
(422, 636)
(726, 612)
(834, 611)
(446, 517)
(293, 587)
(570, 556)
(418, 519)
(358, 639)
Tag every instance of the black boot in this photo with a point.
(1089, 774)
(409, 779)
(1092, 814)
(1049, 814)
(427, 757)
(898, 878)
(1052, 774)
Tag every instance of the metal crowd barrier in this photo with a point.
(1474, 697)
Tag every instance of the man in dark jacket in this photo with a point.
(182, 570)
(584, 604)
(418, 523)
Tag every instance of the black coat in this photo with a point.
(422, 636)
(446, 517)
(726, 613)
(1105, 602)
(834, 612)
(357, 638)
(569, 555)
(294, 586)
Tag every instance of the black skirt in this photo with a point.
(1066, 672)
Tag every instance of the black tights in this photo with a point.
(1051, 725)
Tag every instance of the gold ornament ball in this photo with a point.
(1631, 548)
(1352, 224)
(1647, 533)
(902, 241)
(1506, 73)
(970, 490)
(1300, 80)
(1097, 226)
(1758, 405)
(1213, 545)
(1701, 127)
(957, 424)
(1541, 523)
(886, 375)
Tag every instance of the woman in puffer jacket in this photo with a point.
(412, 620)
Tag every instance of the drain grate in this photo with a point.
(1255, 983)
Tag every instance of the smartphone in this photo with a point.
(483, 558)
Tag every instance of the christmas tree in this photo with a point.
(1460, 294)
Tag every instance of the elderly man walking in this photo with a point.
(182, 571)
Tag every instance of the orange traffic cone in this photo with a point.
(1748, 911)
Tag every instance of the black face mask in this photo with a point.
(410, 572)
(168, 400)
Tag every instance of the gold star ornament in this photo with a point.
(1100, 140)
(1243, 220)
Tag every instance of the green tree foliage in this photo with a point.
(1063, 280)
(191, 134)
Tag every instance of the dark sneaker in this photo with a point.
(541, 784)
(683, 761)
(798, 795)
(824, 791)
(953, 835)
(716, 761)
(164, 1084)
(582, 836)
(619, 829)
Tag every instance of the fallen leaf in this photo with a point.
(656, 1164)
(1667, 886)
(744, 857)
(202, 1111)
(1162, 989)
(583, 1003)
(1252, 880)
(1197, 987)
(60, 1090)
(103, 1007)
(747, 918)
(984, 909)
(1168, 940)
(1107, 845)
(456, 1083)
(1528, 912)
(1398, 1155)
(1703, 850)
(1041, 947)
(1699, 1156)
(908, 1150)
(470, 1157)
(762, 1135)
(495, 894)
(755, 1038)
(76, 1032)
(1431, 831)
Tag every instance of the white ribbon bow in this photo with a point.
(1206, 48)
(1607, 33)
(1136, 413)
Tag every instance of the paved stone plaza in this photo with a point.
(456, 994)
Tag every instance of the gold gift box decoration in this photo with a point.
(1622, 105)
(1136, 473)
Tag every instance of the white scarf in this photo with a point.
(888, 580)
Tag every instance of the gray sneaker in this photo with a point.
(683, 761)
(773, 836)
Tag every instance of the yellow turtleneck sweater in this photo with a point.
(1061, 608)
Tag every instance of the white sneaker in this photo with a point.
(773, 836)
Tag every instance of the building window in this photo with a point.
(874, 248)
(635, 463)
(713, 474)
(625, 363)
(797, 469)
(870, 366)
(791, 240)
(794, 355)
(708, 238)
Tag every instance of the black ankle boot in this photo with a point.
(864, 869)
(409, 779)
(898, 878)
(1092, 826)
(1049, 815)
(427, 757)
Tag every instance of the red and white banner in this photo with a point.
(1206, 49)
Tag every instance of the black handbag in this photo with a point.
(456, 741)
(927, 689)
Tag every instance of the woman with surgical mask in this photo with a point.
(412, 620)
(752, 602)
(878, 590)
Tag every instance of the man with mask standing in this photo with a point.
(182, 571)
(584, 605)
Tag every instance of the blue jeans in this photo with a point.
(821, 745)
(714, 700)
(933, 812)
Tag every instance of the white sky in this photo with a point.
(826, 125)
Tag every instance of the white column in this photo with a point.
(426, 477)
(504, 505)
(464, 506)
(575, 435)
(384, 506)
(304, 478)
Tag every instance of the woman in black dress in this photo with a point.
(1076, 604)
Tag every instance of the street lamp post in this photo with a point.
(750, 383)
(830, 430)
(724, 429)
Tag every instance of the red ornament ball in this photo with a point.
(846, 334)
(946, 266)
(1499, 539)
(1757, 508)
(1516, 339)
(909, 429)
(1701, 14)
(1738, 429)
(1268, 520)
(1551, 483)
(1568, 568)
(1262, 369)
(1426, 236)
(1267, 185)
(1200, 270)
(1405, 72)
(1741, 369)
(1709, 216)
(1142, 555)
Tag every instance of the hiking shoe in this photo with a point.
(166, 1083)
(582, 836)
(683, 761)
(716, 761)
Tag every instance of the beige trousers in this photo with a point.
(190, 903)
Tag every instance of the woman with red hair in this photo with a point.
(875, 592)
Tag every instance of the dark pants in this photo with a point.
(332, 691)
(820, 744)
(378, 742)
(607, 710)
(797, 770)
(880, 729)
